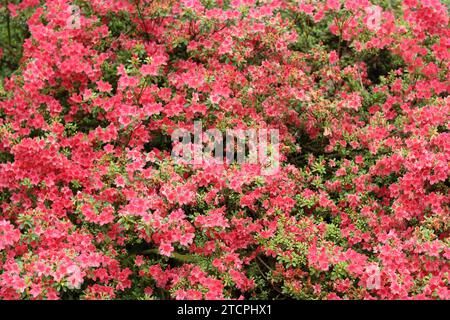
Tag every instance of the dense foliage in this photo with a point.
(92, 205)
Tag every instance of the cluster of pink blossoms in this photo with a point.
(93, 205)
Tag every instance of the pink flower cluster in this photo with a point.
(93, 206)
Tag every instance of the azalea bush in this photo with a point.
(94, 206)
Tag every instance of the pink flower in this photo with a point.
(75, 278)
(152, 108)
(148, 291)
(120, 181)
(8, 235)
(35, 290)
(333, 58)
(373, 18)
(103, 86)
(333, 5)
(149, 70)
(215, 218)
